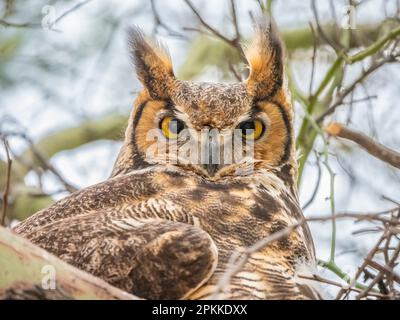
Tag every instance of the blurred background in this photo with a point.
(67, 86)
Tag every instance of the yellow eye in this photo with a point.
(252, 130)
(171, 127)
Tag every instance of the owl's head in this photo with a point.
(211, 129)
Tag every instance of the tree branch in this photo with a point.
(7, 185)
(372, 147)
(22, 274)
(23, 200)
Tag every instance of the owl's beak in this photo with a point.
(213, 165)
(212, 146)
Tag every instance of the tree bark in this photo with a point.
(26, 273)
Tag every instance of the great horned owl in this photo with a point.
(163, 226)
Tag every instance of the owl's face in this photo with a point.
(211, 129)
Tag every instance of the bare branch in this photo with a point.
(315, 191)
(159, 22)
(318, 278)
(232, 42)
(5, 23)
(234, 72)
(21, 262)
(345, 92)
(372, 147)
(42, 161)
(7, 184)
(235, 20)
(333, 44)
(206, 25)
(67, 12)
(39, 25)
(239, 258)
(313, 58)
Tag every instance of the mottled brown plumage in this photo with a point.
(162, 229)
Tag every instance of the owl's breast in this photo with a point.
(240, 212)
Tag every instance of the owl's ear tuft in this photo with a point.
(152, 63)
(265, 57)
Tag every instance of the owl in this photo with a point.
(181, 200)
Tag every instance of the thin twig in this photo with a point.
(35, 25)
(235, 20)
(367, 98)
(345, 92)
(376, 46)
(371, 146)
(48, 166)
(316, 188)
(314, 55)
(206, 24)
(5, 23)
(321, 31)
(232, 42)
(384, 269)
(7, 184)
(318, 278)
(333, 210)
(240, 257)
(369, 256)
(158, 21)
(43, 161)
(67, 12)
(379, 275)
(234, 72)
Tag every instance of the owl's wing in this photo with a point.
(151, 258)
(96, 229)
(120, 190)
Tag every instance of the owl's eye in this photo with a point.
(252, 130)
(171, 127)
